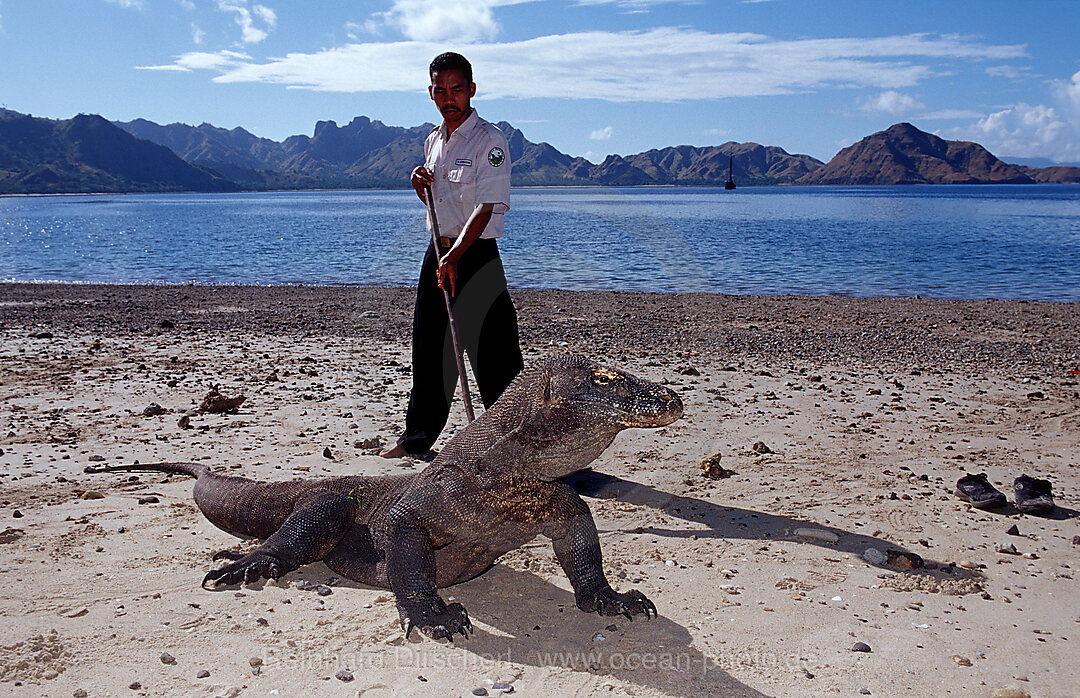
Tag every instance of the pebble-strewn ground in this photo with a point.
(845, 424)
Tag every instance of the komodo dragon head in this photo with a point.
(558, 416)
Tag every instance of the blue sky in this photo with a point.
(591, 77)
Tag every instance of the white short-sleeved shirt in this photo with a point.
(472, 167)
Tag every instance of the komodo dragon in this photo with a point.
(492, 489)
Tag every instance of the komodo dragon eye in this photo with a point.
(603, 376)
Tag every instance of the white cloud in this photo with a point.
(672, 64)
(1009, 71)
(268, 16)
(354, 30)
(197, 34)
(221, 61)
(444, 20)
(187, 5)
(602, 134)
(637, 5)
(1068, 94)
(129, 4)
(892, 102)
(1025, 130)
(249, 32)
(1033, 131)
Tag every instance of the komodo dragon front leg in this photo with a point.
(577, 547)
(410, 570)
(316, 525)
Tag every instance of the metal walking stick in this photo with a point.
(449, 309)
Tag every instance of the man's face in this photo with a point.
(451, 95)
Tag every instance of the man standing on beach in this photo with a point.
(467, 166)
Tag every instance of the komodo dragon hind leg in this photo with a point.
(314, 528)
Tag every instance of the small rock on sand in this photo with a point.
(860, 647)
(905, 561)
(167, 658)
(373, 442)
(710, 467)
(875, 556)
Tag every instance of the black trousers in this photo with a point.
(487, 330)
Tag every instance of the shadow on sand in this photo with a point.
(720, 521)
(521, 618)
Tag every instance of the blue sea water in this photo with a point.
(1016, 242)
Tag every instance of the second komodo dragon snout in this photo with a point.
(493, 488)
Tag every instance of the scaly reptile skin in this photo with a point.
(492, 489)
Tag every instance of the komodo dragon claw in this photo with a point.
(438, 625)
(246, 569)
(608, 602)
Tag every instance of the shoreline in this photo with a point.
(870, 410)
(895, 331)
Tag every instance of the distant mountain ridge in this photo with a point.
(89, 154)
(902, 154)
(366, 153)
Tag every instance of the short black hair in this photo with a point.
(451, 61)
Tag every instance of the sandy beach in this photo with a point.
(844, 423)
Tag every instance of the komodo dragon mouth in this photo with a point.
(608, 395)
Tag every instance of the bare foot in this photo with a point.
(395, 451)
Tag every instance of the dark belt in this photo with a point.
(445, 243)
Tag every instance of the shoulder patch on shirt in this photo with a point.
(462, 162)
(496, 156)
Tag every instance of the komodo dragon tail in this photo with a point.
(195, 470)
(235, 504)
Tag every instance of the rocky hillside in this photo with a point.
(751, 164)
(89, 154)
(1056, 174)
(366, 153)
(902, 154)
